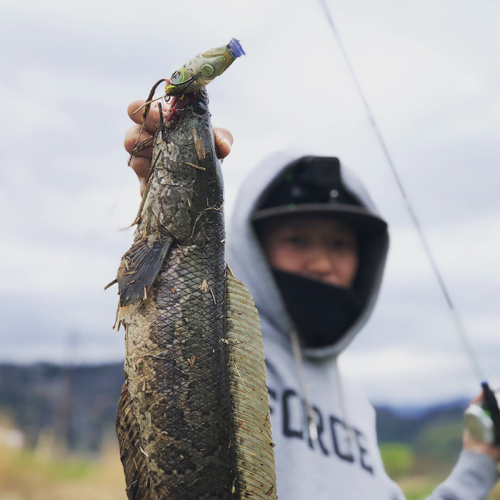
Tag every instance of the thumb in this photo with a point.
(223, 141)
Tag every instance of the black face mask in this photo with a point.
(321, 312)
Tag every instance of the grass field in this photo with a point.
(420, 487)
(28, 475)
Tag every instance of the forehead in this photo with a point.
(309, 222)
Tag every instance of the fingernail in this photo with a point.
(223, 140)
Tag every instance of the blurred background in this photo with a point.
(430, 73)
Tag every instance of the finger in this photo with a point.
(141, 167)
(223, 141)
(134, 140)
(143, 185)
(135, 111)
(469, 443)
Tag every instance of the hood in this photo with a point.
(249, 263)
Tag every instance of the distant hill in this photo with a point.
(78, 403)
(433, 434)
(406, 424)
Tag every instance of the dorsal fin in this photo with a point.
(249, 396)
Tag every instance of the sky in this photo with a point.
(430, 73)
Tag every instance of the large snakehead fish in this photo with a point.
(193, 417)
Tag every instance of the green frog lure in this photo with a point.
(203, 68)
(198, 71)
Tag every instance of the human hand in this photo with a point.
(492, 450)
(469, 443)
(141, 161)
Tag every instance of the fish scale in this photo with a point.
(187, 437)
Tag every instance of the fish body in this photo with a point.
(171, 307)
(193, 418)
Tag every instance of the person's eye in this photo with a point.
(296, 240)
(342, 245)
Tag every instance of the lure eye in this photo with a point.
(207, 70)
(178, 77)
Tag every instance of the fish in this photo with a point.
(193, 420)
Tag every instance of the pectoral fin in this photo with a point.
(139, 268)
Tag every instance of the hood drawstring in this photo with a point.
(311, 420)
(343, 406)
(297, 353)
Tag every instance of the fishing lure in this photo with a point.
(197, 72)
(203, 68)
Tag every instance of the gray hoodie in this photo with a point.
(336, 457)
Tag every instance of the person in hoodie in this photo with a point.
(309, 244)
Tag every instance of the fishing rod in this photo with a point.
(482, 420)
